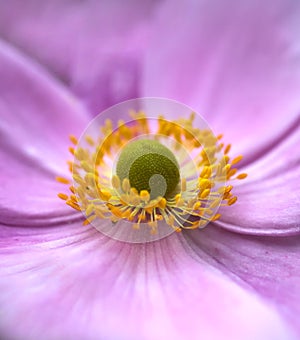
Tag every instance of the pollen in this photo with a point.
(149, 174)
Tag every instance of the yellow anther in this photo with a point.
(226, 158)
(242, 176)
(149, 210)
(203, 172)
(183, 184)
(177, 198)
(104, 195)
(87, 167)
(226, 169)
(236, 160)
(231, 173)
(62, 180)
(89, 140)
(72, 150)
(78, 180)
(116, 183)
(162, 203)
(72, 189)
(197, 205)
(73, 198)
(126, 185)
(227, 149)
(228, 188)
(115, 210)
(214, 204)
(73, 139)
(232, 200)
(90, 180)
(205, 193)
(216, 217)
(144, 195)
(133, 191)
(195, 225)
(89, 220)
(208, 172)
(73, 205)
(89, 209)
(81, 154)
(63, 196)
(204, 183)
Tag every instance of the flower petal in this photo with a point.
(235, 62)
(269, 200)
(268, 264)
(37, 112)
(95, 47)
(68, 280)
(28, 195)
(37, 115)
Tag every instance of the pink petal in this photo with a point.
(271, 266)
(235, 62)
(95, 47)
(73, 283)
(269, 200)
(28, 195)
(37, 115)
(37, 112)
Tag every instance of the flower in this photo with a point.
(237, 63)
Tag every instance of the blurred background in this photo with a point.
(235, 62)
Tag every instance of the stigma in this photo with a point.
(148, 173)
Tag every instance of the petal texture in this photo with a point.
(270, 265)
(37, 112)
(73, 283)
(269, 200)
(37, 115)
(237, 63)
(96, 47)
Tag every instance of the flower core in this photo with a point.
(150, 166)
(151, 173)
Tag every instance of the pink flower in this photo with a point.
(237, 63)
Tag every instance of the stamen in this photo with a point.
(62, 180)
(154, 182)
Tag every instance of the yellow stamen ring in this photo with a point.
(101, 194)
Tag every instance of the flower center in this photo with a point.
(150, 187)
(150, 166)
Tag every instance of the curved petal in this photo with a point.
(69, 279)
(270, 265)
(36, 116)
(95, 47)
(235, 62)
(28, 195)
(269, 200)
(37, 112)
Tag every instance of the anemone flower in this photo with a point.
(237, 63)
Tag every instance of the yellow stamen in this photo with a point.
(241, 176)
(102, 195)
(63, 196)
(62, 180)
(73, 139)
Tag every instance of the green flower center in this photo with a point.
(150, 166)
